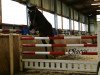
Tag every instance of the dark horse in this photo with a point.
(39, 23)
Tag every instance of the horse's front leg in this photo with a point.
(51, 42)
(44, 42)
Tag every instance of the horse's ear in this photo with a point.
(34, 6)
(31, 6)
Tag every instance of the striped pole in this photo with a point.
(56, 53)
(59, 45)
(69, 37)
(9, 30)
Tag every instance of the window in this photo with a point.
(49, 17)
(65, 23)
(59, 22)
(72, 27)
(83, 27)
(98, 17)
(76, 27)
(13, 12)
(86, 27)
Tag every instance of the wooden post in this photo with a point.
(0, 13)
(11, 54)
(20, 50)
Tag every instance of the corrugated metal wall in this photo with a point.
(62, 9)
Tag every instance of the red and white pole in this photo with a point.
(69, 37)
(57, 53)
(59, 45)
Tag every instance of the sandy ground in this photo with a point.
(51, 72)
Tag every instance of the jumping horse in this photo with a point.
(39, 23)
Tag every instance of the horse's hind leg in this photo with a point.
(44, 42)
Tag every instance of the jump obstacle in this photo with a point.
(51, 64)
(65, 65)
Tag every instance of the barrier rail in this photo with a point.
(57, 53)
(9, 30)
(59, 45)
(56, 37)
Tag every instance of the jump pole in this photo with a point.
(57, 37)
(9, 30)
(98, 39)
(59, 45)
(57, 53)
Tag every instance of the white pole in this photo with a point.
(98, 43)
(98, 39)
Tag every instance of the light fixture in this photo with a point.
(90, 14)
(96, 0)
(96, 3)
(97, 10)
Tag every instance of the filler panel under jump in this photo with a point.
(69, 65)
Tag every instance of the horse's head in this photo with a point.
(32, 7)
(32, 12)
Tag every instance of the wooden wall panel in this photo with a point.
(0, 13)
(4, 56)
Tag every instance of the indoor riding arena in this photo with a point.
(49, 37)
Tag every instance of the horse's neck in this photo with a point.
(40, 18)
